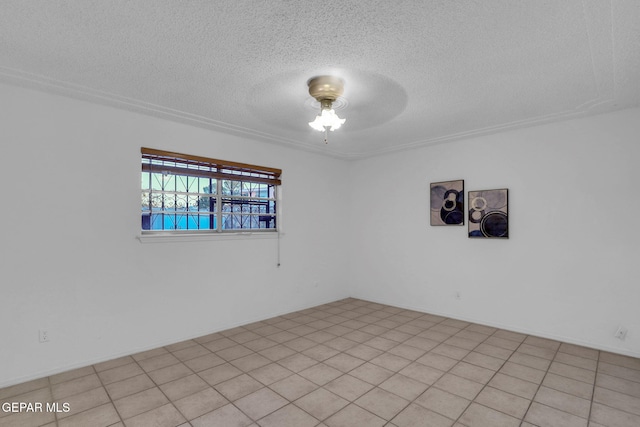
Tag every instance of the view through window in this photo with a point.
(182, 192)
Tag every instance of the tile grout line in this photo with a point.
(593, 390)
(343, 373)
(531, 401)
(365, 361)
(213, 386)
(95, 371)
(546, 372)
(264, 386)
(55, 417)
(388, 422)
(101, 386)
(471, 401)
(107, 391)
(156, 386)
(604, 404)
(459, 361)
(162, 391)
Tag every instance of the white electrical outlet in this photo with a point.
(44, 335)
(621, 333)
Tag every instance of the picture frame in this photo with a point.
(447, 203)
(489, 214)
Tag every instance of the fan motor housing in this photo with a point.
(327, 88)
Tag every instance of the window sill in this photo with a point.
(186, 237)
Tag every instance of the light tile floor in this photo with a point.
(347, 363)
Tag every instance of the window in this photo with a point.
(181, 193)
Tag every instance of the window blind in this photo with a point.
(185, 164)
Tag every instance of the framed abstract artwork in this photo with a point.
(447, 203)
(489, 213)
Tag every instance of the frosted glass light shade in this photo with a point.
(327, 119)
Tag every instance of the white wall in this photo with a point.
(570, 267)
(71, 262)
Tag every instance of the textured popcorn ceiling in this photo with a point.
(417, 72)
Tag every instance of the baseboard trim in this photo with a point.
(48, 372)
(568, 340)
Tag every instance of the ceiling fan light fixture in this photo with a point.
(326, 89)
(327, 119)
